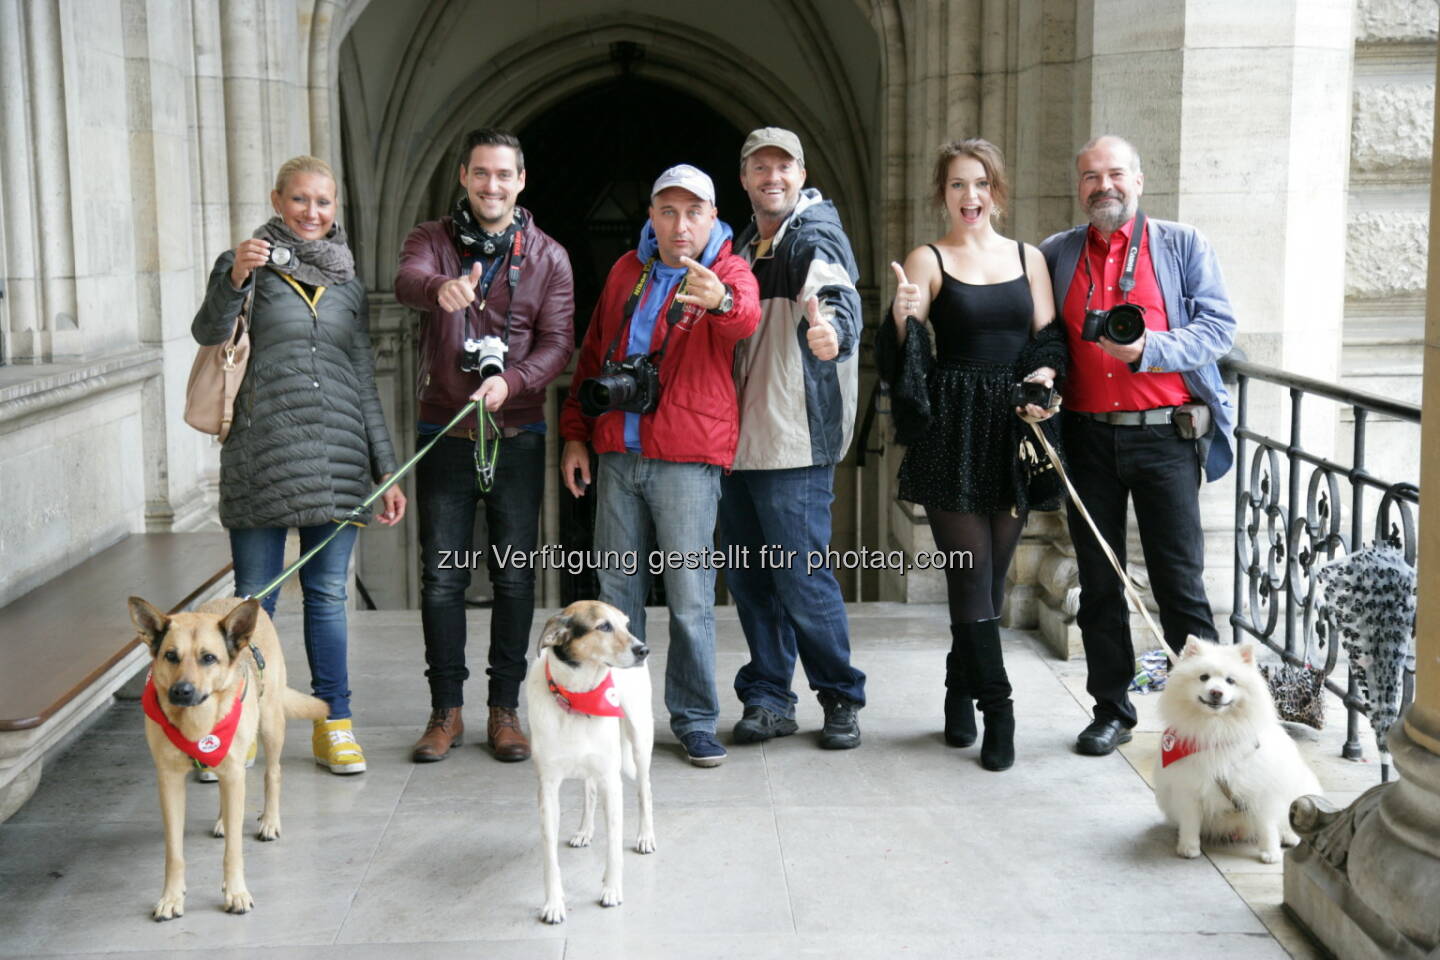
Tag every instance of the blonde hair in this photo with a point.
(303, 164)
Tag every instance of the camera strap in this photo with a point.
(672, 315)
(514, 260)
(1132, 256)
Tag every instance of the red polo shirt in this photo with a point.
(1096, 381)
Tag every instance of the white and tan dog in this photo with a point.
(218, 678)
(1227, 768)
(589, 672)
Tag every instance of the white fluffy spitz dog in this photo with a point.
(1227, 768)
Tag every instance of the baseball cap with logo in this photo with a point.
(776, 137)
(686, 177)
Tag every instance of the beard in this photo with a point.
(1109, 217)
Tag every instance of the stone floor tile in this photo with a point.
(1073, 867)
(451, 876)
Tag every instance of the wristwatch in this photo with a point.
(727, 302)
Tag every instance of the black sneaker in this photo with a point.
(702, 749)
(842, 724)
(758, 723)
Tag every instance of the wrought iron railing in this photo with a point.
(1287, 527)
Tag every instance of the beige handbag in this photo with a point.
(215, 379)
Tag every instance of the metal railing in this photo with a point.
(1286, 529)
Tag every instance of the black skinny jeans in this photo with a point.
(446, 496)
(1110, 466)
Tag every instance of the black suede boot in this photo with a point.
(959, 693)
(992, 696)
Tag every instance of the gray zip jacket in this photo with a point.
(795, 410)
(308, 436)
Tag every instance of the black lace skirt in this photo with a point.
(966, 461)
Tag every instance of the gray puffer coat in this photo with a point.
(308, 436)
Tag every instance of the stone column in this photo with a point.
(1378, 861)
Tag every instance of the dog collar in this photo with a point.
(1173, 748)
(210, 749)
(603, 701)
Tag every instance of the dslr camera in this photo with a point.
(631, 385)
(1124, 323)
(485, 356)
(1029, 391)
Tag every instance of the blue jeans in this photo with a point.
(646, 505)
(446, 497)
(259, 556)
(785, 611)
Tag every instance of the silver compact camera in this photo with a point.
(280, 256)
(485, 356)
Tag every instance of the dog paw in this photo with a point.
(610, 897)
(1188, 850)
(239, 901)
(582, 838)
(1269, 856)
(553, 911)
(269, 829)
(169, 907)
(645, 843)
(218, 830)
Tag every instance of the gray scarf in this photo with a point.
(323, 263)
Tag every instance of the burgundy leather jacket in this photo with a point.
(541, 323)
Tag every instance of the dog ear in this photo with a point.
(239, 624)
(557, 630)
(1247, 653)
(1192, 647)
(151, 623)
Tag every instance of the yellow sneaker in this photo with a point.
(334, 746)
(208, 774)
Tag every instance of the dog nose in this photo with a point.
(1216, 695)
(640, 651)
(182, 692)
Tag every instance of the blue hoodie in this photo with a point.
(662, 281)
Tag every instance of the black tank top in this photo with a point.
(981, 322)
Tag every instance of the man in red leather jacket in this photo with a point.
(489, 283)
(684, 300)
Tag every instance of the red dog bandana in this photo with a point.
(603, 701)
(1172, 748)
(210, 749)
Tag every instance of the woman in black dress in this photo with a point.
(989, 303)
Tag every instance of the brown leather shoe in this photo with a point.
(504, 736)
(445, 730)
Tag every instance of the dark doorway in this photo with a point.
(589, 165)
(591, 160)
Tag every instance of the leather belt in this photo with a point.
(462, 433)
(1130, 418)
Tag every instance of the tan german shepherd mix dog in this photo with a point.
(223, 657)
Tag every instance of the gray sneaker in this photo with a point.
(758, 723)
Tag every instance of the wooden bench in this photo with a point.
(68, 645)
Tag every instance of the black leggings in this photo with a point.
(976, 585)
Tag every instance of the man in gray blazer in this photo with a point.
(1142, 418)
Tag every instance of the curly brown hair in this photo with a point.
(989, 157)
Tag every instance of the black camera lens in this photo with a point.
(599, 394)
(1125, 323)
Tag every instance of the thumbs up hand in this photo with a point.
(459, 294)
(907, 295)
(821, 338)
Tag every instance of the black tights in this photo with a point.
(976, 585)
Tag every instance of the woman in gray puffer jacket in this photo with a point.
(308, 438)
